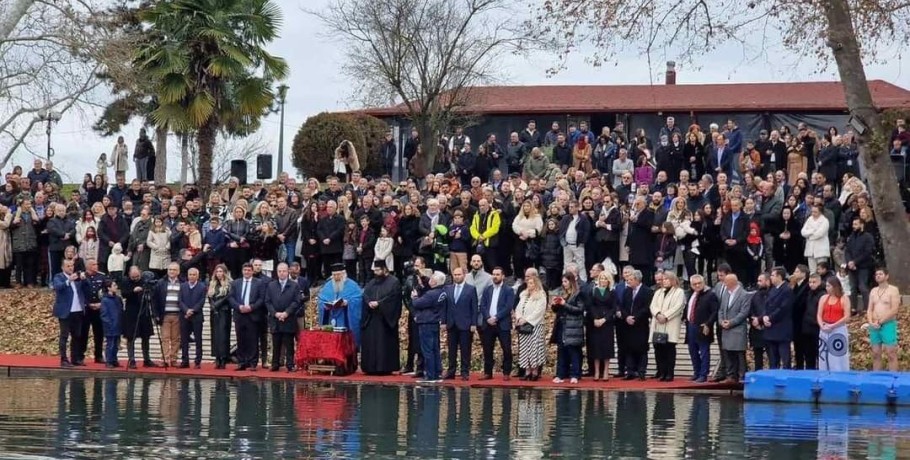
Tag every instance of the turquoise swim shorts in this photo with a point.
(885, 335)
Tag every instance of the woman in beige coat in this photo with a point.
(159, 242)
(667, 307)
(6, 247)
(531, 309)
(815, 231)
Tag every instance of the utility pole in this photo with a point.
(282, 96)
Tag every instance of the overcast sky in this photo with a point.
(316, 86)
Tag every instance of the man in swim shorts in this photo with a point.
(881, 320)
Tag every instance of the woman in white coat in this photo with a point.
(159, 242)
(815, 231)
(667, 307)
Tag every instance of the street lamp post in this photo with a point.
(282, 96)
(50, 117)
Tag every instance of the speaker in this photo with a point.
(238, 170)
(263, 166)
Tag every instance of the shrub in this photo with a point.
(314, 145)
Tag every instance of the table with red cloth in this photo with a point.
(337, 348)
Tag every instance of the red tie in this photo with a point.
(692, 309)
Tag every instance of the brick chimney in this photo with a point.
(671, 73)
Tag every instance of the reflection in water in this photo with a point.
(105, 417)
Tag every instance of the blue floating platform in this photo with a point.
(822, 387)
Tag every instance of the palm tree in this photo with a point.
(211, 70)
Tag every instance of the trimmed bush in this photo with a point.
(314, 145)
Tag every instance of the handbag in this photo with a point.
(660, 338)
(525, 329)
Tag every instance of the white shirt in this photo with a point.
(571, 233)
(76, 306)
(494, 299)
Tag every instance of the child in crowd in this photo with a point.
(755, 246)
(384, 246)
(666, 247)
(115, 262)
(111, 309)
(551, 254)
(102, 165)
(459, 242)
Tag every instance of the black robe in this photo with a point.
(379, 343)
(136, 321)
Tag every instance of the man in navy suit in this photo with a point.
(495, 315)
(247, 299)
(461, 317)
(720, 158)
(778, 320)
(69, 308)
(282, 301)
(191, 300)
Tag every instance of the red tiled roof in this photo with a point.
(731, 97)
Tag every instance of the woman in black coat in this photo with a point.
(705, 223)
(137, 320)
(483, 164)
(220, 315)
(694, 155)
(601, 309)
(407, 237)
(640, 240)
(569, 330)
(789, 243)
(309, 242)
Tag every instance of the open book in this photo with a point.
(337, 304)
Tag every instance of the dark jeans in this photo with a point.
(91, 320)
(488, 337)
(568, 362)
(665, 357)
(413, 347)
(699, 352)
(131, 350)
(70, 328)
(778, 355)
(736, 364)
(283, 342)
(460, 340)
(809, 348)
(26, 267)
(111, 348)
(55, 261)
(187, 327)
(429, 347)
(859, 278)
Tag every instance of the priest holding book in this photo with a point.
(339, 302)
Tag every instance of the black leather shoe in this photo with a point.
(184, 366)
(629, 377)
(150, 364)
(254, 368)
(197, 366)
(274, 369)
(449, 376)
(79, 363)
(619, 375)
(66, 364)
(131, 365)
(242, 367)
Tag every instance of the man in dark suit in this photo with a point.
(495, 314)
(69, 307)
(778, 320)
(701, 313)
(330, 233)
(282, 302)
(461, 318)
(734, 228)
(636, 311)
(247, 299)
(192, 299)
(720, 157)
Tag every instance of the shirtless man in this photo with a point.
(881, 320)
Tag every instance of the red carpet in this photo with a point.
(208, 371)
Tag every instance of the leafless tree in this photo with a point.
(842, 32)
(425, 54)
(50, 55)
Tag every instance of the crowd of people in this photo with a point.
(617, 236)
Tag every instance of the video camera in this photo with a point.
(149, 280)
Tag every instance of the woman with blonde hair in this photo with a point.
(529, 323)
(527, 226)
(568, 331)
(345, 161)
(159, 242)
(220, 315)
(601, 308)
(667, 307)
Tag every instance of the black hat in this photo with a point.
(337, 267)
(514, 175)
(380, 264)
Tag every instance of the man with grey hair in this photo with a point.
(330, 232)
(574, 229)
(621, 327)
(429, 310)
(733, 319)
(635, 309)
(701, 313)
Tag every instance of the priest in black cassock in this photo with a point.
(379, 343)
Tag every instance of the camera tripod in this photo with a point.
(145, 310)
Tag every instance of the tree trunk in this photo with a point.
(160, 155)
(13, 16)
(184, 156)
(205, 139)
(886, 199)
(428, 143)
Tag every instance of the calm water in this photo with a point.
(130, 418)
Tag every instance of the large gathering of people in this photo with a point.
(605, 245)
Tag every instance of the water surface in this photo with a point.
(96, 417)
